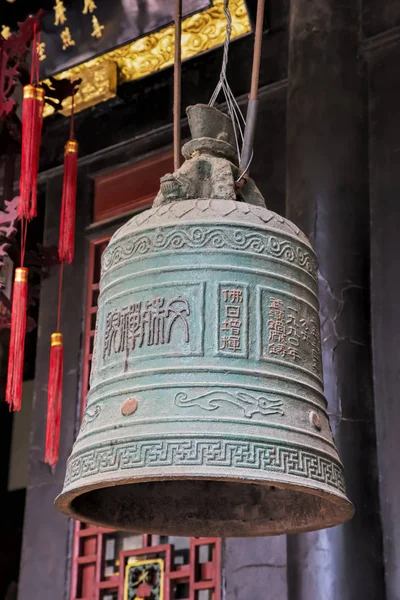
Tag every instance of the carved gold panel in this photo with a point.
(202, 31)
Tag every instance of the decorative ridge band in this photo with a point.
(268, 456)
(217, 237)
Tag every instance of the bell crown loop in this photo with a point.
(209, 122)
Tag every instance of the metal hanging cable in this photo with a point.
(244, 129)
(177, 83)
(234, 110)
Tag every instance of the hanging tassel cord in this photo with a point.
(15, 367)
(38, 124)
(54, 390)
(35, 62)
(68, 208)
(177, 83)
(34, 52)
(54, 399)
(72, 123)
(252, 109)
(24, 231)
(37, 59)
(68, 205)
(27, 153)
(60, 285)
(32, 118)
(28, 117)
(17, 339)
(65, 253)
(32, 121)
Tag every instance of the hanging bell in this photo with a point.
(206, 413)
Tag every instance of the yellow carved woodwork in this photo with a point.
(89, 7)
(66, 38)
(98, 85)
(201, 31)
(97, 28)
(5, 32)
(59, 10)
(41, 50)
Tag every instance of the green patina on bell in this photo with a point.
(206, 413)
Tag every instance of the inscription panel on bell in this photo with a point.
(154, 321)
(289, 330)
(232, 337)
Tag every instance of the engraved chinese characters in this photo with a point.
(291, 332)
(149, 323)
(141, 324)
(233, 316)
(206, 379)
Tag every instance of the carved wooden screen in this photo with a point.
(103, 560)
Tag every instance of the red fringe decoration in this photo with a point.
(54, 399)
(67, 222)
(17, 339)
(32, 119)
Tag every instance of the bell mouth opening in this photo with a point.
(203, 508)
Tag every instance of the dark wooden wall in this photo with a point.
(384, 164)
(357, 133)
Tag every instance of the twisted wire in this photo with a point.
(234, 110)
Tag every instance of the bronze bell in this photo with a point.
(206, 413)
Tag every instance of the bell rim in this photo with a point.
(345, 512)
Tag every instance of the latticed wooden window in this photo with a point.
(113, 565)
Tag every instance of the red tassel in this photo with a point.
(54, 399)
(17, 339)
(68, 207)
(32, 120)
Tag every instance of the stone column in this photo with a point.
(327, 197)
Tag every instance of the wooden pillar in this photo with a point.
(385, 282)
(327, 197)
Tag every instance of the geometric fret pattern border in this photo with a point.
(262, 456)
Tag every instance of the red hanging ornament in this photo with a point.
(32, 120)
(68, 208)
(54, 399)
(65, 254)
(17, 339)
